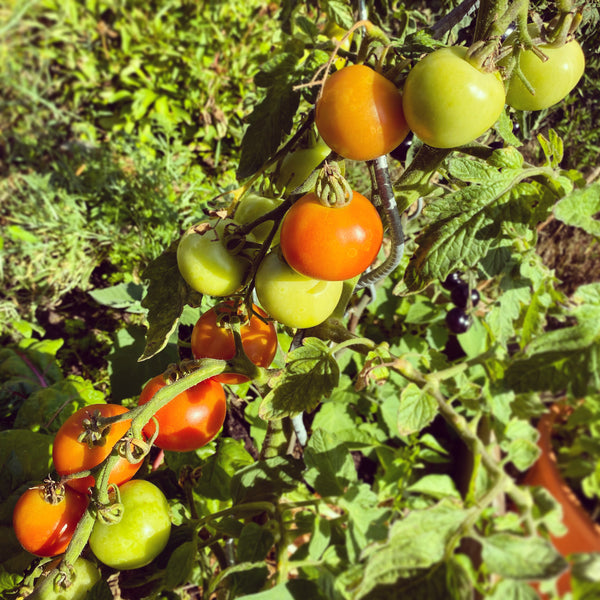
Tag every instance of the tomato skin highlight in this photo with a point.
(189, 421)
(141, 534)
(43, 528)
(71, 456)
(552, 80)
(209, 340)
(293, 299)
(332, 244)
(448, 102)
(360, 114)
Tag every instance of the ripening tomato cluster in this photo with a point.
(46, 516)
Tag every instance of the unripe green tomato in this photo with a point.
(552, 80)
(250, 208)
(298, 165)
(449, 102)
(141, 534)
(206, 265)
(85, 575)
(291, 298)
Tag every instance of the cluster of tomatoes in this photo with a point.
(313, 247)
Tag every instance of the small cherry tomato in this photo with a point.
(250, 208)
(46, 516)
(552, 80)
(72, 456)
(359, 114)
(212, 340)
(449, 102)
(189, 421)
(82, 578)
(331, 243)
(141, 534)
(293, 299)
(206, 264)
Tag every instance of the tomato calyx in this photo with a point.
(331, 187)
(109, 512)
(52, 491)
(95, 430)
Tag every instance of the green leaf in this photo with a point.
(436, 486)
(50, 407)
(271, 119)
(465, 225)
(504, 128)
(167, 295)
(552, 147)
(417, 541)
(471, 170)
(580, 208)
(521, 558)
(266, 479)
(417, 409)
(513, 590)
(218, 471)
(311, 374)
(25, 456)
(330, 467)
(295, 589)
(254, 543)
(126, 296)
(339, 12)
(180, 566)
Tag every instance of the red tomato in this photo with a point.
(209, 340)
(44, 522)
(331, 244)
(189, 421)
(359, 114)
(72, 456)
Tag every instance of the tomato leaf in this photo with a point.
(50, 407)
(519, 557)
(311, 374)
(339, 12)
(579, 209)
(330, 465)
(417, 541)
(254, 543)
(180, 566)
(291, 590)
(513, 590)
(167, 295)
(266, 479)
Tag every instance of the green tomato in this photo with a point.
(205, 263)
(85, 575)
(552, 80)
(449, 102)
(297, 166)
(250, 208)
(293, 299)
(141, 534)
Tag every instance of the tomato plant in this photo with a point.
(191, 419)
(291, 298)
(331, 243)
(359, 114)
(82, 577)
(72, 456)
(141, 534)
(551, 79)
(46, 516)
(206, 264)
(251, 207)
(449, 102)
(211, 339)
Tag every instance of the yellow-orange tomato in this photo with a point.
(72, 456)
(331, 243)
(211, 340)
(359, 114)
(189, 421)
